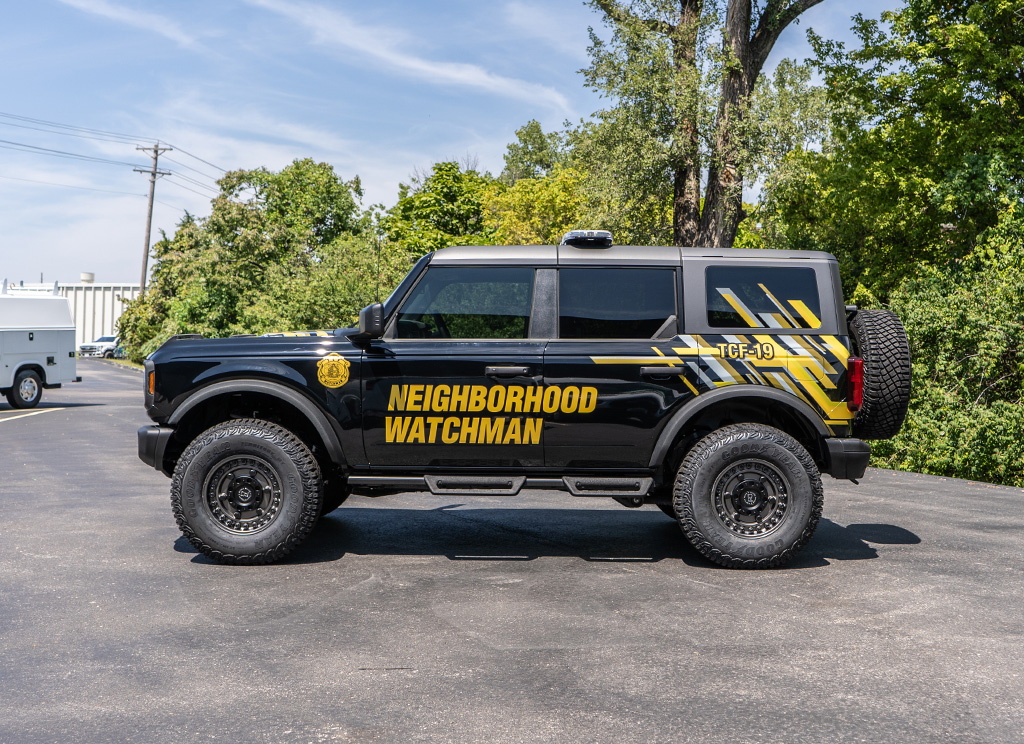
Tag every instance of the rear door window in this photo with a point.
(762, 297)
(622, 303)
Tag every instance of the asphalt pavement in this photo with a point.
(538, 618)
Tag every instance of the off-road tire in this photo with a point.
(27, 390)
(788, 486)
(270, 480)
(881, 341)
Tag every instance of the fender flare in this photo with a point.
(30, 364)
(316, 417)
(708, 399)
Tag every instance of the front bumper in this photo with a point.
(152, 445)
(848, 458)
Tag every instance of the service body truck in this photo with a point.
(37, 346)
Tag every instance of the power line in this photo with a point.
(71, 186)
(167, 204)
(22, 147)
(196, 157)
(194, 182)
(183, 186)
(194, 170)
(69, 134)
(56, 125)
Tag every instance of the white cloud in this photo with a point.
(331, 28)
(560, 31)
(154, 22)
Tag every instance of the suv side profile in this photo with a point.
(715, 384)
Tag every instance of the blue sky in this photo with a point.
(376, 89)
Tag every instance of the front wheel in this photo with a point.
(27, 390)
(246, 492)
(748, 496)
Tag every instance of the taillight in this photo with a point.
(855, 383)
(152, 382)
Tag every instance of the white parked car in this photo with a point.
(104, 346)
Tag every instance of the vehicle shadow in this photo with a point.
(502, 535)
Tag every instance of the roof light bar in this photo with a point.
(588, 238)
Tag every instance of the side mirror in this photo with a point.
(371, 321)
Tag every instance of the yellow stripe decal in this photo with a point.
(806, 314)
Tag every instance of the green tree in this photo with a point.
(443, 209)
(681, 105)
(534, 154)
(966, 326)
(929, 145)
(279, 251)
(539, 210)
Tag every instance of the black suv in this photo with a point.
(714, 384)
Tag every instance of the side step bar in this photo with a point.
(505, 485)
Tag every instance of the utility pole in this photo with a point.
(153, 174)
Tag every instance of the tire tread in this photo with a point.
(299, 454)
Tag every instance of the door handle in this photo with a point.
(507, 371)
(662, 372)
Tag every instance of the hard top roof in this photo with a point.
(622, 255)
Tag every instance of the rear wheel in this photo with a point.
(748, 496)
(246, 491)
(27, 390)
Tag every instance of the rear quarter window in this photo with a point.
(762, 297)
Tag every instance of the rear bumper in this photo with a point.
(848, 458)
(152, 444)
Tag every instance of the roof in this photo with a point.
(31, 312)
(623, 255)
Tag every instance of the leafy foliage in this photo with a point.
(445, 209)
(920, 196)
(534, 154)
(966, 327)
(279, 251)
(537, 211)
(941, 157)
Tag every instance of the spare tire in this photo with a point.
(881, 341)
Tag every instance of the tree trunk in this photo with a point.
(686, 169)
(723, 199)
(745, 56)
(715, 223)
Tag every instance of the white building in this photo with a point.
(95, 307)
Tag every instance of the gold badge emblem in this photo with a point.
(332, 371)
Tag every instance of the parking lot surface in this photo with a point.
(538, 618)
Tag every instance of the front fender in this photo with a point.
(317, 418)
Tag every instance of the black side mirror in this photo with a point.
(371, 321)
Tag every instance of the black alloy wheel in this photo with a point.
(246, 491)
(748, 496)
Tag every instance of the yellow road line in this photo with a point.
(31, 413)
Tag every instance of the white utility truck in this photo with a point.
(37, 345)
